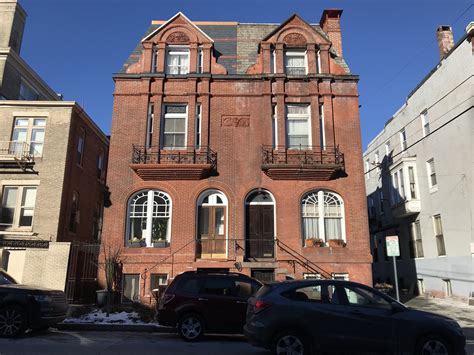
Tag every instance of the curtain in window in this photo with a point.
(173, 67)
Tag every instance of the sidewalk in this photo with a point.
(461, 312)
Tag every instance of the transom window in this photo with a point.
(295, 63)
(298, 126)
(177, 60)
(31, 131)
(18, 205)
(149, 215)
(174, 126)
(323, 216)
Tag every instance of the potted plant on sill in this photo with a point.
(336, 243)
(137, 242)
(158, 233)
(313, 242)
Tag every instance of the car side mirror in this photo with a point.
(397, 308)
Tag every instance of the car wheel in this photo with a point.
(433, 345)
(12, 321)
(191, 327)
(290, 343)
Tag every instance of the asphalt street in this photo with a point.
(86, 342)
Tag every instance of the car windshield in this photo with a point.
(6, 279)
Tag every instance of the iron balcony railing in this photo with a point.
(182, 155)
(14, 150)
(302, 154)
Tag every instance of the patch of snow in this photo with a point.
(99, 317)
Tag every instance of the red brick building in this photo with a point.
(245, 139)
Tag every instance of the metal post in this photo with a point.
(396, 277)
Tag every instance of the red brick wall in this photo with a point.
(239, 169)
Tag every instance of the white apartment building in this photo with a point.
(419, 179)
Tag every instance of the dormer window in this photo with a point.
(177, 60)
(296, 63)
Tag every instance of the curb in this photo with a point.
(141, 328)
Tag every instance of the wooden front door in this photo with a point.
(260, 233)
(211, 237)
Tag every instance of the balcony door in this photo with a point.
(212, 226)
(260, 234)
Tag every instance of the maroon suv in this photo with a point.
(197, 302)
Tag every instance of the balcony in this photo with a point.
(406, 208)
(186, 163)
(302, 163)
(16, 155)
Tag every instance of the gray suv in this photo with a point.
(313, 316)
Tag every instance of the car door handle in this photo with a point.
(202, 299)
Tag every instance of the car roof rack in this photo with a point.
(212, 272)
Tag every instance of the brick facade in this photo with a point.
(236, 123)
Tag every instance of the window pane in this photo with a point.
(29, 197)
(8, 204)
(219, 221)
(21, 122)
(203, 221)
(19, 134)
(175, 125)
(130, 288)
(361, 297)
(37, 135)
(315, 294)
(39, 122)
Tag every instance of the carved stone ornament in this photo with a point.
(235, 121)
(294, 39)
(178, 38)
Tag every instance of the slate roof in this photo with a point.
(235, 46)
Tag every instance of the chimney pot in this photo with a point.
(444, 35)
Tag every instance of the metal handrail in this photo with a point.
(16, 150)
(302, 154)
(303, 261)
(173, 155)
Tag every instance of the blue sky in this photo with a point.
(76, 45)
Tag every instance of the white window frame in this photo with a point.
(367, 169)
(274, 126)
(322, 127)
(296, 53)
(30, 127)
(425, 123)
(149, 124)
(318, 61)
(401, 187)
(377, 161)
(403, 139)
(15, 225)
(273, 61)
(298, 117)
(415, 229)
(150, 194)
(200, 60)
(321, 214)
(439, 234)
(174, 115)
(198, 128)
(431, 171)
(387, 149)
(180, 51)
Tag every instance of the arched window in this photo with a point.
(149, 226)
(323, 216)
(212, 225)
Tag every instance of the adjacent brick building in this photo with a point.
(52, 174)
(245, 139)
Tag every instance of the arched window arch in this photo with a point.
(149, 226)
(212, 225)
(323, 216)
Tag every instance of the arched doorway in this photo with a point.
(260, 225)
(212, 225)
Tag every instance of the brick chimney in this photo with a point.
(331, 24)
(444, 35)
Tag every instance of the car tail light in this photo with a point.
(260, 305)
(166, 298)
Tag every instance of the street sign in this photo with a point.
(392, 245)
